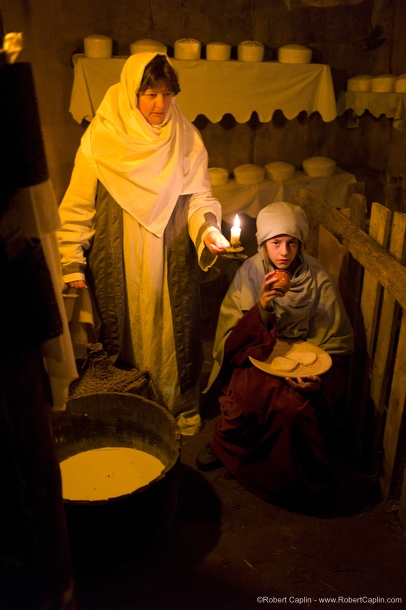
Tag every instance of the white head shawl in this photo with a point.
(144, 167)
(281, 218)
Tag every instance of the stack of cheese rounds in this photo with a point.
(249, 173)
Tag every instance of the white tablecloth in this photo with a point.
(216, 88)
(392, 105)
(250, 199)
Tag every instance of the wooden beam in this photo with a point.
(390, 273)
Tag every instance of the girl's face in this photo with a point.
(282, 250)
(155, 103)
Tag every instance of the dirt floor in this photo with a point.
(227, 550)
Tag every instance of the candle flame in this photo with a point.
(235, 232)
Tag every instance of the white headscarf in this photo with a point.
(281, 218)
(144, 167)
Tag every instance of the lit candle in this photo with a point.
(235, 232)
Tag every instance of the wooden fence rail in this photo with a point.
(372, 280)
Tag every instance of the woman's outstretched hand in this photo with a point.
(216, 242)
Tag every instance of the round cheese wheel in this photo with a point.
(385, 83)
(187, 48)
(294, 54)
(147, 44)
(319, 167)
(279, 171)
(400, 84)
(218, 51)
(250, 50)
(218, 175)
(98, 46)
(249, 173)
(361, 82)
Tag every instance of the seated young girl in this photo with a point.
(273, 432)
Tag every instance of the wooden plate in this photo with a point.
(283, 347)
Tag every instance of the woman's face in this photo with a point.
(282, 250)
(155, 103)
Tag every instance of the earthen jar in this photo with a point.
(283, 282)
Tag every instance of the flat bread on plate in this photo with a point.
(284, 364)
(305, 358)
(308, 359)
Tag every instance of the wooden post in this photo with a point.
(386, 361)
(380, 227)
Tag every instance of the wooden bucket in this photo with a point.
(125, 524)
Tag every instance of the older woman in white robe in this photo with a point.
(138, 219)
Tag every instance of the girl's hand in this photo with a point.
(77, 284)
(312, 383)
(268, 292)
